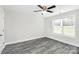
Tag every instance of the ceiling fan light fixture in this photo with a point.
(44, 12)
(45, 9)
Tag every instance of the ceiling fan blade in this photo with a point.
(40, 6)
(50, 11)
(51, 7)
(37, 10)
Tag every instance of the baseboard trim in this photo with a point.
(67, 42)
(3, 46)
(33, 38)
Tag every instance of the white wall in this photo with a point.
(22, 26)
(1, 29)
(63, 38)
(77, 25)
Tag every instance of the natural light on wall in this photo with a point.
(64, 26)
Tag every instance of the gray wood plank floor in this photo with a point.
(40, 46)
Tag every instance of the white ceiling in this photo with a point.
(31, 8)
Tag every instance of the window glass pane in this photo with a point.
(57, 26)
(68, 28)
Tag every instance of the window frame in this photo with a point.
(62, 31)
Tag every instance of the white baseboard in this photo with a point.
(33, 37)
(1, 48)
(68, 41)
(73, 42)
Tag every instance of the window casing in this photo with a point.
(64, 26)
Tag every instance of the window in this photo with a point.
(57, 26)
(64, 26)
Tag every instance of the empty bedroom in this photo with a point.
(39, 29)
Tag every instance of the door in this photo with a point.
(1, 30)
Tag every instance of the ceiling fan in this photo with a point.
(45, 8)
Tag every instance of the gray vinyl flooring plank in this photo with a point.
(40, 46)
